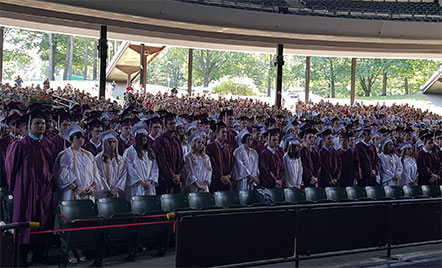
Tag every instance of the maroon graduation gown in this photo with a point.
(222, 161)
(426, 165)
(122, 146)
(89, 146)
(329, 167)
(4, 144)
(271, 168)
(231, 139)
(369, 161)
(170, 161)
(29, 170)
(349, 167)
(311, 165)
(258, 146)
(59, 144)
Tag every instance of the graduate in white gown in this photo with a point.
(77, 175)
(409, 174)
(391, 165)
(142, 167)
(111, 165)
(75, 169)
(246, 169)
(293, 164)
(197, 165)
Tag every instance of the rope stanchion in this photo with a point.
(100, 227)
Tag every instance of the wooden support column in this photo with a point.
(307, 79)
(279, 64)
(353, 81)
(102, 48)
(128, 80)
(189, 72)
(142, 68)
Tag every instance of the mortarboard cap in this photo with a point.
(107, 135)
(71, 130)
(139, 127)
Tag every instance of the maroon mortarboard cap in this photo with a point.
(169, 116)
(308, 131)
(270, 122)
(36, 113)
(220, 125)
(226, 113)
(345, 135)
(273, 132)
(437, 133)
(383, 130)
(426, 137)
(325, 132)
(85, 107)
(21, 121)
(93, 114)
(243, 118)
(279, 116)
(366, 129)
(12, 118)
(94, 123)
(126, 122)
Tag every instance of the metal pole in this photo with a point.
(142, 68)
(279, 64)
(189, 71)
(2, 29)
(102, 48)
(307, 79)
(353, 81)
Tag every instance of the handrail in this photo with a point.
(58, 100)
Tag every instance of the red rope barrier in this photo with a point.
(100, 227)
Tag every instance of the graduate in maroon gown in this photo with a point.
(348, 160)
(427, 167)
(271, 164)
(257, 144)
(228, 119)
(310, 158)
(221, 159)
(329, 175)
(29, 171)
(124, 139)
(170, 158)
(5, 141)
(64, 121)
(94, 144)
(155, 130)
(368, 159)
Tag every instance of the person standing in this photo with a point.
(368, 159)
(293, 164)
(221, 159)
(111, 165)
(197, 165)
(348, 161)
(94, 144)
(428, 171)
(141, 163)
(391, 165)
(246, 170)
(29, 171)
(409, 174)
(329, 175)
(271, 164)
(170, 158)
(124, 139)
(310, 158)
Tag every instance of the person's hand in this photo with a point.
(355, 182)
(114, 192)
(395, 178)
(373, 172)
(334, 181)
(433, 178)
(313, 180)
(278, 184)
(81, 192)
(176, 179)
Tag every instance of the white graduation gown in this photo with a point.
(246, 164)
(140, 169)
(293, 171)
(198, 169)
(186, 148)
(390, 166)
(79, 167)
(409, 172)
(113, 172)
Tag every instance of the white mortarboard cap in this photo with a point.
(107, 135)
(71, 130)
(196, 135)
(139, 127)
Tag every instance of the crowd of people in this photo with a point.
(168, 144)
